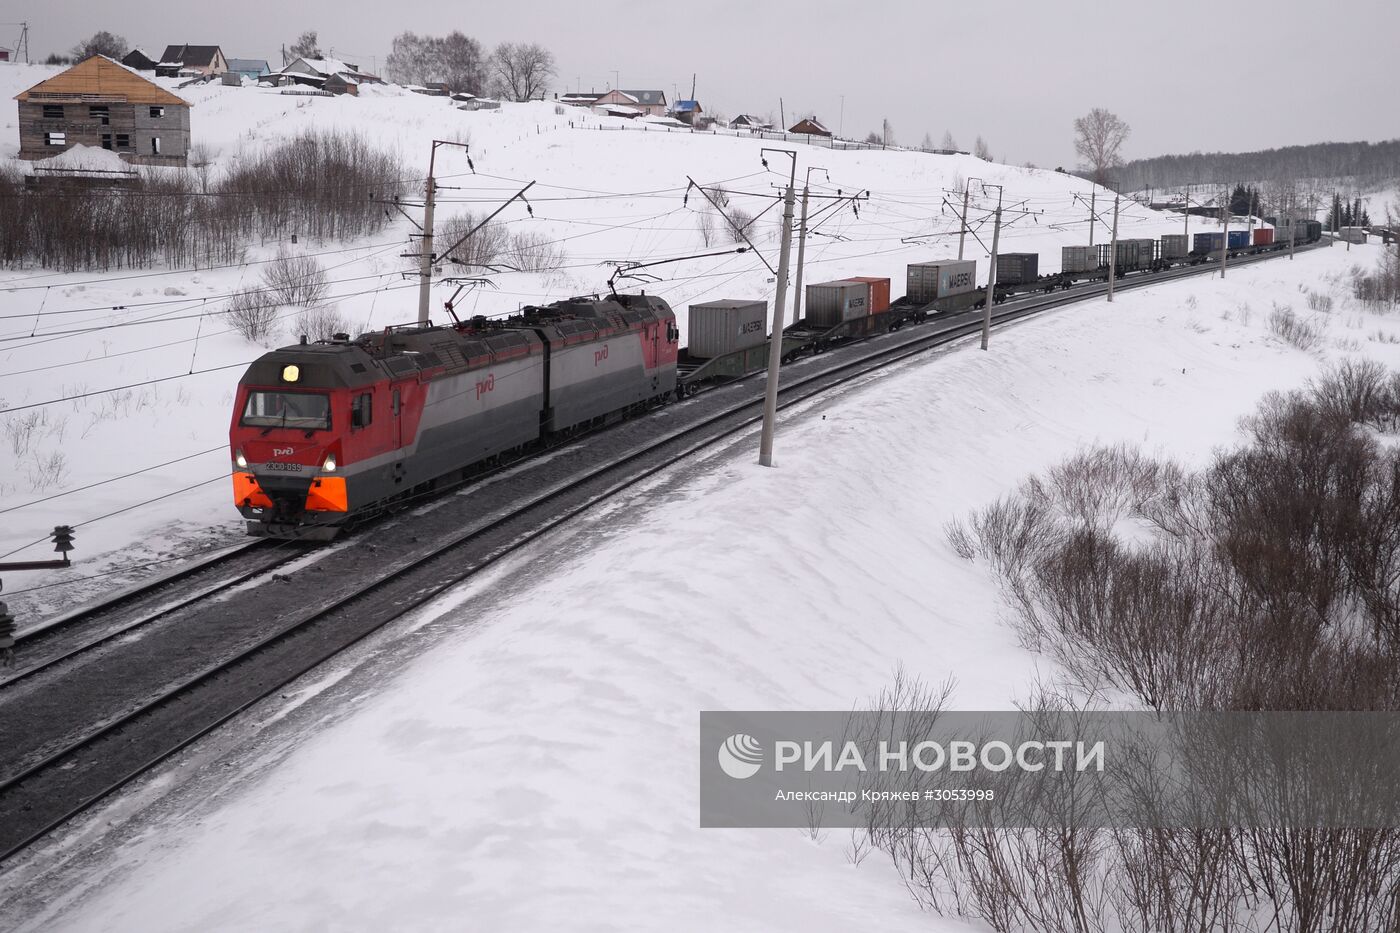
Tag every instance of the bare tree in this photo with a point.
(455, 59)
(948, 141)
(1098, 135)
(462, 63)
(927, 142)
(306, 46)
(887, 132)
(407, 62)
(982, 150)
(521, 69)
(100, 43)
(873, 138)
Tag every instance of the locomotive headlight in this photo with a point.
(291, 372)
(241, 460)
(329, 465)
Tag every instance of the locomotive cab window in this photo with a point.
(309, 411)
(362, 411)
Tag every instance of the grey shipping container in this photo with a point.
(720, 327)
(830, 303)
(1175, 246)
(1353, 234)
(1017, 268)
(1079, 258)
(929, 281)
(1147, 252)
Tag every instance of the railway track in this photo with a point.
(98, 743)
(75, 634)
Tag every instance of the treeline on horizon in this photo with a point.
(1360, 161)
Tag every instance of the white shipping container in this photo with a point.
(929, 281)
(830, 303)
(720, 327)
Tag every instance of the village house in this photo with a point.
(254, 68)
(139, 60)
(178, 60)
(646, 103)
(319, 72)
(100, 103)
(687, 111)
(810, 126)
(746, 121)
(580, 98)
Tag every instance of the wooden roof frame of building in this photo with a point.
(98, 79)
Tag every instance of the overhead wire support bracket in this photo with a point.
(696, 185)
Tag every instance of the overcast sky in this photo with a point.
(1186, 76)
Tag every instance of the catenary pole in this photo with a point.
(962, 232)
(1292, 222)
(425, 269)
(1093, 199)
(775, 343)
(1225, 238)
(991, 274)
(802, 243)
(1113, 251)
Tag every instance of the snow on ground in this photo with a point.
(603, 194)
(537, 768)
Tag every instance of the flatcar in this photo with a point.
(326, 432)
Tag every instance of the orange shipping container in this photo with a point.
(879, 292)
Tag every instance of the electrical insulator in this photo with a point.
(63, 539)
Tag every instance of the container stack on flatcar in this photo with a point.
(831, 303)
(1017, 268)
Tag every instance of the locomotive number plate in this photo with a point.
(283, 467)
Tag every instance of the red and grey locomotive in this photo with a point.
(323, 432)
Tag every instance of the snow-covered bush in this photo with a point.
(485, 247)
(323, 322)
(534, 252)
(252, 312)
(295, 280)
(737, 222)
(1291, 329)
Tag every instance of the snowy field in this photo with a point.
(536, 769)
(601, 196)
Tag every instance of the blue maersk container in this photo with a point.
(1239, 239)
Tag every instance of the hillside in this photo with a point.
(1358, 169)
(604, 192)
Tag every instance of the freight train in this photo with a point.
(329, 432)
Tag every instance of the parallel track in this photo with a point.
(47, 792)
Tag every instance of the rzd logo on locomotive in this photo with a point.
(486, 385)
(600, 355)
(283, 451)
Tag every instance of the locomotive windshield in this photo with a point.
(305, 410)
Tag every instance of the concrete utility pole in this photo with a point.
(992, 272)
(1186, 219)
(802, 242)
(1292, 222)
(425, 268)
(1225, 238)
(962, 234)
(1093, 199)
(1113, 251)
(775, 343)
(1251, 216)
